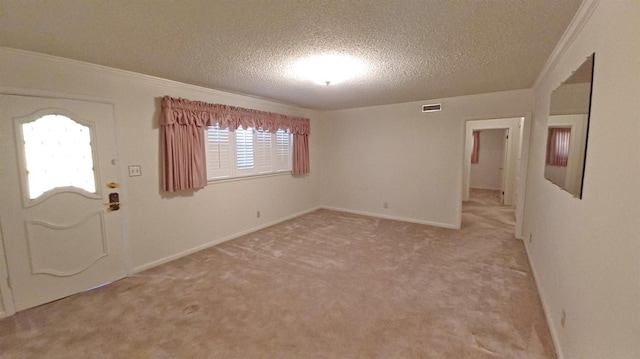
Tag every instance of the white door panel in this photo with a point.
(65, 240)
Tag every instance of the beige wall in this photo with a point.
(586, 253)
(412, 160)
(159, 226)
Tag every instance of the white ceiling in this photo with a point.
(416, 50)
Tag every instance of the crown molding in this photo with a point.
(136, 76)
(583, 14)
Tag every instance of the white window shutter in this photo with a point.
(263, 152)
(282, 157)
(219, 155)
(244, 150)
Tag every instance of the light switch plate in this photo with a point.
(135, 171)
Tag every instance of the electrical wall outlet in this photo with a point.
(135, 171)
(530, 237)
(385, 205)
(258, 214)
(563, 318)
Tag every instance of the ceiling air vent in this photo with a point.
(432, 108)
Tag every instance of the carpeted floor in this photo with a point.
(323, 285)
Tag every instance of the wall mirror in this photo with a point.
(568, 130)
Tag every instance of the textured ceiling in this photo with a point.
(415, 50)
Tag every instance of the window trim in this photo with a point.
(247, 177)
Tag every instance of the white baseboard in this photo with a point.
(218, 241)
(545, 308)
(269, 224)
(395, 218)
(487, 188)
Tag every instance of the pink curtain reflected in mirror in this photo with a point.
(558, 140)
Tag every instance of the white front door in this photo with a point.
(59, 168)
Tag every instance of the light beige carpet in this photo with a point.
(323, 285)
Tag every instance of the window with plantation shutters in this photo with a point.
(246, 152)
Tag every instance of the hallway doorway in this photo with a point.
(512, 169)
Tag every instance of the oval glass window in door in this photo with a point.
(58, 153)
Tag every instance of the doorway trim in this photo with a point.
(515, 166)
(6, 295)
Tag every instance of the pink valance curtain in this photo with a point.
(475, 153)
(182, 125)
(558, 146)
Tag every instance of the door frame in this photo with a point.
(515, 166)
(6, 295)
(505, 160)
(7, 307)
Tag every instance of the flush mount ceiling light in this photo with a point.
(329, 69)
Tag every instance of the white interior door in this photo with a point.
(58, 171)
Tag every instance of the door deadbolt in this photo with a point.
(114, 202)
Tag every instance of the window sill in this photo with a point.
(247, 177)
